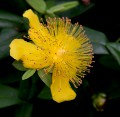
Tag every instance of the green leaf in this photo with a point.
(114, 49)
(38, 5)
(19, 65)
(63, 7)
(6, 36)
(8, 96)
(10, 20)
(46, 78)
(76, 11)
(28, 74)
(45, 93)
(52, 15)
(33, 89)
(50, 3)
(25, 110)
(113, 89)
(114, 94)
(4, 15)
(109, 62)
(24, 89)
(28, 88)
(7, 24)
(98, 40)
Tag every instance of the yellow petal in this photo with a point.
(31, 55)
(60, 88)
(40, 37)
(33, 19)
(38, 32)
(16, 50)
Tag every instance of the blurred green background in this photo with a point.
(99, 95)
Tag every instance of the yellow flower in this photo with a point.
(58, 46)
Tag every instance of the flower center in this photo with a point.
(58, 55)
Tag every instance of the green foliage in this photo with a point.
(38, 5)
(114, 49)
(28, 74)
(8, 96)
(76, 11)
(109, 62)
(19, 65)
(6, 16)
(28, 88)
(24, 110)
(98, 39)
(45, 93)
(6, 36)
(62, 7)
(46, 78)
(8, 20)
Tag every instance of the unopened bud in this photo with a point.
(99, 101)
